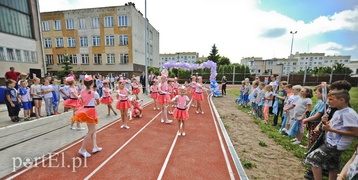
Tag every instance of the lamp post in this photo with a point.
(293, 36)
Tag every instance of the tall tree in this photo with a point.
(214, 54)
(340, 69)
(224, 61)
(66, 67)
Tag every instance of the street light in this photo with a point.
(293, 36)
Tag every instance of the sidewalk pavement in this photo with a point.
(44, 144)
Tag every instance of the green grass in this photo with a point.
(297, 151)
(248, 164)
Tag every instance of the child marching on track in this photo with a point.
(181, 112)
(198, 96)
(192, 90)
(89, 115)
(107, 98)
(123, 104)
(154, 93)
(73, 101)
(136, 89)
(163, 97)
(171, 94)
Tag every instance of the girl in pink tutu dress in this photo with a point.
(154, 93)
(180, 112)
(136, 107)
(198, 96)
(107, 98)
(192, 90)
(171, 94)
(136, 89)
(89, 115)
(176, 86)
(73, 101)
(164, 98)
(123, 104)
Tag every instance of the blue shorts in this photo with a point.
(27, 105)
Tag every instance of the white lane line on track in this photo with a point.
(221, 143)
(56, 153)
(167, 158)
(64, 149)
(119, 149)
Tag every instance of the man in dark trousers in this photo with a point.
(151, 78)
(142, 80)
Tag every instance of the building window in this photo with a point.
(346, 60)
(122, 21)
(27, 56)
(2, 54)
(18, 55)
(10, 54)
(33, 57)
(270, 63)
(109, 40)
(82, 23)
(108, 21)
(60, 58)
(111, 59)
(97, 59)
(124, 59)
(85, 58)
(83, 41)
(49, 59)
(320, 58)
(45, 25)
(70, 24)
(123, 39)
(59, 42)
(47, 43)
(71, 41)
(57, 25)
(96, 41)
(73, 58)
(294, 64)
(95, 22)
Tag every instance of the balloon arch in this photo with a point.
(214, 87)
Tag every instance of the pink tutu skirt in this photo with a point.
(180, 114)
(192, 91)
(134, 110)
(163, 98)
(198, 96)
(107, 100)
(136, 91)
(87, 115)
(73, 103)
(123, 105)
(154, 95)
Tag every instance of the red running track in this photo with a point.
(148, 150)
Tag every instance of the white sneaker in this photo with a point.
(183, 134)
(73, 128)
(202, 112)
(297, 142)
(168, 121)
(179, 134)
(80, 129)
(293, 140)
(122, 126)
(84, 154)
(126, 127)
(162, 120)
(98, 149)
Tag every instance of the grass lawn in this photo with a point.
(297, 151)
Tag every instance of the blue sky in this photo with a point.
(244, 28)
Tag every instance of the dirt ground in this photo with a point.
(272, 161)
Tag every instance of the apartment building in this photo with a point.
(102, 40)
(187, 57)
(298, 62)
(20, 44)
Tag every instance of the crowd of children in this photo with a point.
(331, 123)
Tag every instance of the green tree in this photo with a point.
(224, 61)
(340, 69)
(66, 67)
(214, 54)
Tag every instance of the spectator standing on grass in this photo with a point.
(260, 99)
(253, 95)
(223, 85)
(280, 97)
(302, 107)
(267, 102)
(340, 131)
(274, 86)
(288, 108)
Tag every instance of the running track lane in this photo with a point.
(140, 152)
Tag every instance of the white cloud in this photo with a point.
(235, 26)
(332, 48)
